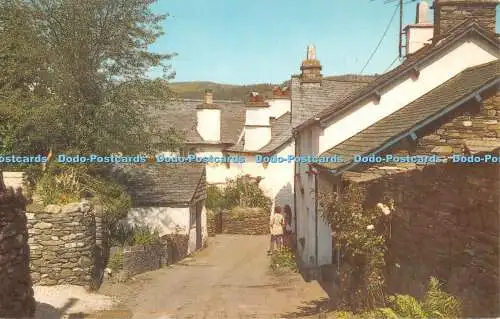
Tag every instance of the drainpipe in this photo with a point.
(295, 196)
(316, 212)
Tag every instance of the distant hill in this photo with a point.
(195, 89)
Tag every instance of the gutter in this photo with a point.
(329, 116)
(474, 95)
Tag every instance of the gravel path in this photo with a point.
(53, 302)
(229, 279)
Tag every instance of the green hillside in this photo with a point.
(195, 89)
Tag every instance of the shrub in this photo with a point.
(283, 260)
(123, 234)
(237, 192)
(215, 198)
(115, 262)
(436, 304)
(145, 236)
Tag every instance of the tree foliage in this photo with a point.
(74, 77)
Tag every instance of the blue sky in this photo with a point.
(263, 41)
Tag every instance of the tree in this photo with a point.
(76, 77)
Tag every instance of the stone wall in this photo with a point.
(177, 247)
(446, 224)
(16, 287)
(212, 219)
(63, 244)
(245, 221)
(450, 13)
(470, 129)
(141, 258)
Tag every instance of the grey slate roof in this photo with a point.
(428, 105)
(281, 132)
(181, 115)
(308, 99)
(165, 184)
(468, 27)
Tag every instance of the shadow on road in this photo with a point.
(311, 308)
(46, 311)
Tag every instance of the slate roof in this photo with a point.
(281, 133)
(468, 27)
(310, 99)
(181, 115)
(402, 121)
(163, 184)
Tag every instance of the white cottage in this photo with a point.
(454, 69)
(171, 199)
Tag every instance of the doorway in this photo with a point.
(199, 233)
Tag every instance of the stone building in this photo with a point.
(171, 199)
(443, 100)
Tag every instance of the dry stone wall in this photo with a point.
(446, 224)
(245, 221)
(141, 258)
(16, 288)
(63, 244)
(177, 247)
(212, 223)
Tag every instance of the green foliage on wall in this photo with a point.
(360, 233)
(237, 192)
(435, 304)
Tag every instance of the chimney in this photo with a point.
(208, 97)
(257, 124)
(450, 13)
(280, 102)
(420, 33)
(311, 67)
(208, 119)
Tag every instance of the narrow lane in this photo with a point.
(229, 279)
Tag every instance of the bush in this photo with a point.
(436, 304)
(115, 262)
(123, 234)
(283, 260)
(145, 236)
(237, 192)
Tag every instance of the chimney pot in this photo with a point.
(311, 52)
(422, 13)
(209, 97)
(311, 67)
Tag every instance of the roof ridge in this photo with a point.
(215, 101)
(410, 62)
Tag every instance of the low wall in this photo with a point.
(245, 221)
(212, 223)
(62, 244)
(16, 287)
(141, 258)
(177, 247)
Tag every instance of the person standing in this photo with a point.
(276, 227)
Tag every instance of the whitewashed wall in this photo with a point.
(208, 124)
(278, 107)
(417, 36)
(257, 116)
(256, 137)
(167, 220)
(432, 75)
(13, 179)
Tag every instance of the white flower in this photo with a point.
(386, 210)
(370, 227)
